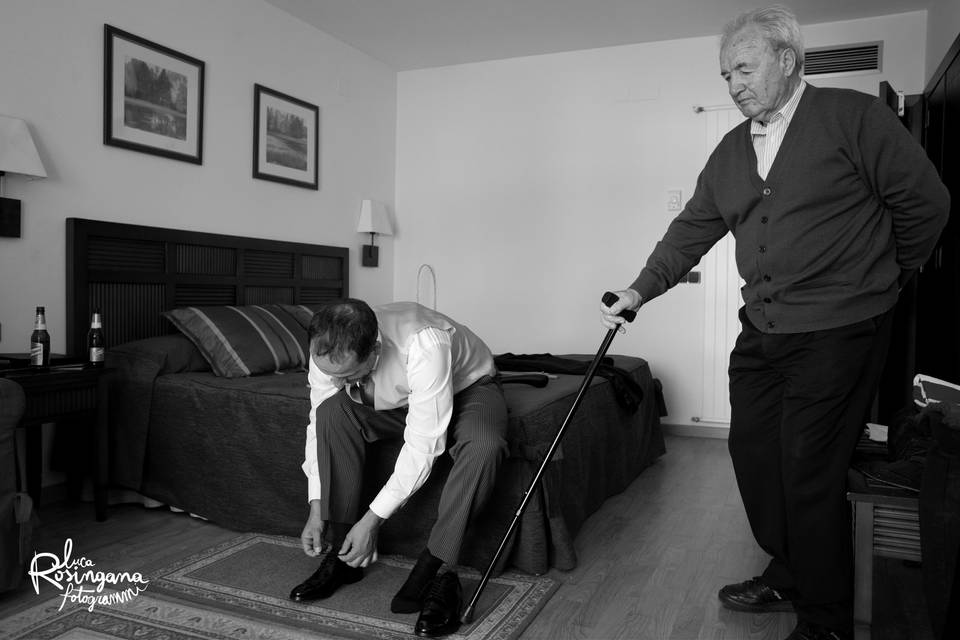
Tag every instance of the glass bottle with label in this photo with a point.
(95, 344)
(40, 340)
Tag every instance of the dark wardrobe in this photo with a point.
(938, 284)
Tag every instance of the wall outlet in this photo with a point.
(674, 200)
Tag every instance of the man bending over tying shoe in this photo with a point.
(398, 371)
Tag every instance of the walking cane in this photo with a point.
(608, 299)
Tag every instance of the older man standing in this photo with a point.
(833, 206)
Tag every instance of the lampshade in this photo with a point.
(18, 154)
(374, 218)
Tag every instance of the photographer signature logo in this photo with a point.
(80, 583)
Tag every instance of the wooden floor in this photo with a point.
(650, 560)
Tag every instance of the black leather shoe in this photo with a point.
(409, 598)
(441, 607)
(755, 596)
(808, 631)
(332, 574)
(402, 603)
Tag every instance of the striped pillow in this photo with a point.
(243, 341)
(303, 313)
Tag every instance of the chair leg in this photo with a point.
(863, 569)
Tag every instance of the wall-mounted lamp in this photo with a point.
(373, 220)
(18, 154)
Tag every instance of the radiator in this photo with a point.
(721, 288)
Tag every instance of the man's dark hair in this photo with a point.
(343, 327)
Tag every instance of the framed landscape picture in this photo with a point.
(152, 98)
(286, 135)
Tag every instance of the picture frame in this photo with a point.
(286, 139)
(152, 97)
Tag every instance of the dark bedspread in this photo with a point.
(230, 450)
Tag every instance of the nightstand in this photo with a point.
(886, 524)
(65, 393)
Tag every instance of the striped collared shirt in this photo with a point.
(767, 137)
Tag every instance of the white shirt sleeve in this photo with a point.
(430, 378)
(321, 388)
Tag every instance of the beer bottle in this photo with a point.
(40, 341)
(95, 345)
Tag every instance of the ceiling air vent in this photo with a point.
(848, 59)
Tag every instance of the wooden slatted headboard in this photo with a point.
(132, 273)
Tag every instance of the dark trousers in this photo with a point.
(476, 440)
(799, 403)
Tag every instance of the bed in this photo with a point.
(228, 447)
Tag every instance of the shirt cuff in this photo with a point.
(384, 505)
(313, 485)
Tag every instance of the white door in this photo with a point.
(722, 284)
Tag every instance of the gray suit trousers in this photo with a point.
(476, 441)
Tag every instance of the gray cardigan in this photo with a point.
(851, 206)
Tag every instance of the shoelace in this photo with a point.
(329, 560)
(774, 591)
(438, 586)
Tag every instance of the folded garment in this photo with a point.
(946, 430)
(899, 474)
(625, 387)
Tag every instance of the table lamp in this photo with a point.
(18, 154)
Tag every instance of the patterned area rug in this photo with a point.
(238, 590)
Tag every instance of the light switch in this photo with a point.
(674, 200)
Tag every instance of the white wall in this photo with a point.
(943, 28)
(531, 185)
(52, 76)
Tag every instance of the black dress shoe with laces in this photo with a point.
(755, 596)
(808, 631)
(440, 615)
(409, 598)
(332, 574)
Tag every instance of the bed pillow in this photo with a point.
(243, 341)
(303, 313)
(172, 353)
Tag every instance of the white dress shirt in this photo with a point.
(430, 407)
(768, 137)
